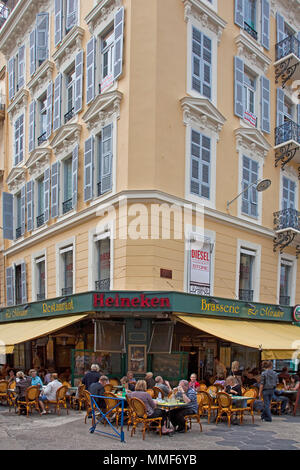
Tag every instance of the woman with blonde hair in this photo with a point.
(150, 404)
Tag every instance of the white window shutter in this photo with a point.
(10, 288)
(57, 102)
(49, 109)
(75, 176)
(30, 205)
(11, 78)
(23, 283)
(106, 159)
(32, 109)
(265, 105)
(42, 37)
(239, 105)
(21, 67)
(55, 171)
(78, 82)
(90, 70)
(239, 13)
(280, 107)
(88, 169)
(265, 23)
(119, 38)
(58, 16)
(23, 209)
(32, 52)
(72, 14)
(47, 194)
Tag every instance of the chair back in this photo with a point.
(199, 399)
(280, 387)
(220, 387)
(200, 408)
(108, 401)
(255, 389)
(108, 387)
(3, 386)
(114, 382)
(151, 392)
(202, 388)
(138, 407)
(157, 391)
(224, 400)
(213, 389)
(61, 393)
(205, 398)
(250, 393)
(81, 389)
(13, 385)
(32, 393)
(243, 390)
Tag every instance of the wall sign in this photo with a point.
(200, 268)
(296, 313)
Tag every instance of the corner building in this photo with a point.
(131, 128)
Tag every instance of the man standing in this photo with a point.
(268, 382)
(91, 377)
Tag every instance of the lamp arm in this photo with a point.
(230, 202)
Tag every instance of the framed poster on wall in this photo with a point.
(137, 358)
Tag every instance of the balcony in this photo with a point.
(67, 291)
(246, 295)
(287, 230)
(42, 138)
(40, 220)
(68, 116)
(287, 60)
(40, 296)
(287, 143)
(18, 232)
(4, 14)
(102, 285)
(67, 206)
(284, 300)
(250, 30)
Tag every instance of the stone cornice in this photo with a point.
(203, 113)
(66, 139)
(19, 22)
(71, 43)
(248, 51)
(103, 108)
(101, 12)
(16, 178)
(252, 141)
(19, 101)
(38, 161)
(195, 9)
(41, 78)
(289, 9)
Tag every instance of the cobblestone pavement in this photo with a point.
(69, 432)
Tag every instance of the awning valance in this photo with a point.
(276, 340)
(19, 332)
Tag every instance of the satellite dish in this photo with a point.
(263, 185)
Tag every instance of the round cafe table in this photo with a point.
(168, 406)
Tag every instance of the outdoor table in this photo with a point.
(168, 406)
(72, 390)
(117, 387)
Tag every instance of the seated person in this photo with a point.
(21, 386)
(35, 379)
(193, 382)
(284, 375)
(97, 388)
(220, 380)
(163, 385)
(130, 376)
(128, 385)
(151, 409)
(49, 393)
(11, 377)
(295, 383)
(278, 397)
(189, 396)
(150, 380)
(232, 386)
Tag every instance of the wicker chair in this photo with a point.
(157, 391)
(189, 418)
(31, 400)
(207, 403)
(220, 387)
(80, 398)
(88, 406)
(151, 392)
(108, 387)
(139, 415)
(114, 382)
(250, 403)
(213, 389)
(4, 391)
(202, 388)
(225, 406)
(61, 399)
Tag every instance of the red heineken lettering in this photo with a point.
(140, 302)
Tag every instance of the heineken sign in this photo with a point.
(139, 302)
(296, 313)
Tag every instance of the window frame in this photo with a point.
(66, 245)
(246, 246)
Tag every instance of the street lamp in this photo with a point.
(261, 186)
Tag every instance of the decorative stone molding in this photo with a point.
(103, 108)
(195, 9)
(290, 172)
(252, 54)
(201, 112)
(71, 44)
(19, 23)
(41, 78)
(101, 13)
(16, 178)
(289, 9)
(66, 139)
(253, 142)
(38, 161)
(18, 103)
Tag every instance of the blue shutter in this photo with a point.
(23, 209)
(42, 37)
(298, 114)
(10, 288)
(32, 108)
(201, 63)
(78, 82)
(250, 195)
(239, 97)
(90, 70)
(30, 206)
(72, 14)
(119, 37)
(8, 216)
(265, 23)
(23, 284)
(11, 78)
(32, 52)
(265, 105)
(280, 27)
(280, 107)
(239, 13)
(58, 14)
(106, 158)
(288, 193)
(47, 194)
(57, 102)
(75, 177)
(55, 189)
(49, 109)
(19, 139)
(200, 164)
(21, 67)
(88, 169)
(206, 68)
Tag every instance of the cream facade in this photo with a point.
(184, 113)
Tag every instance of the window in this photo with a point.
(18, 280)
(250, 196)
(70, 94)
(201, 63)
(40, 202)
(39, 42)
(67, 181)
(16, 284)
(249, 89)
(288, 109)
(285, 282)
(104, 161)
(16, 72)
(103, 265)
(247, 260)
(18, 216)
(107, 59)
(200, 165)
(288, 194)
(41, 278)
(19, 139)
(67, 268)
(250, 13)
(66, 16)
(42, 116)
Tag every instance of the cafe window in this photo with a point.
(246, 279)
(66, 255)
(161, 337)
(109, 336)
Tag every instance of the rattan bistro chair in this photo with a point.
(225, 407)
(208, 404)
(139, 415)
(61, 399)
(31, 400)
(250, 403)
(80, 398)
(196, 417)
(158, 391)
(4, 391)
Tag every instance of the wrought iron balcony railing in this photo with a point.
(289, 45)
(250, 30)
(42, 138)
(4, 14)
(67, 206)
(102, 285)
(40, 220)
(246, 295)
(67, 291)
(290, 130)
(41, 296)
(287, 219)
(18, 232)
(69, 115)
(284, 300)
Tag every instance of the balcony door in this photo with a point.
(247, 262)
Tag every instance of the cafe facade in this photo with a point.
(169, 333)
